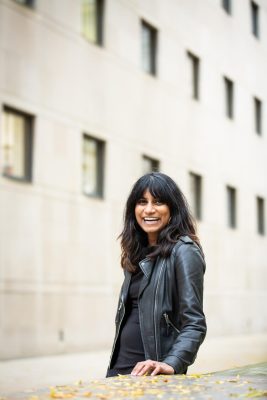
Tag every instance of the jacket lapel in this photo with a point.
(146, 266)
(126, 284)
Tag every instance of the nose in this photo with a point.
(149, 208)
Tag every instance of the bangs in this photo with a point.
(155, 185)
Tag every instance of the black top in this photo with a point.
(130, 349)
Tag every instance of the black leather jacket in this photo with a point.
(171, 315)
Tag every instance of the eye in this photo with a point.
(158, 202)
(142, 202)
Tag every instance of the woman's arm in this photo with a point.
(189, 268)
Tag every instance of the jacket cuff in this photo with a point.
(176, 364)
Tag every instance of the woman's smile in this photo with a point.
(152, 215)
(151, 221)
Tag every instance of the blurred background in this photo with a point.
(94, 93)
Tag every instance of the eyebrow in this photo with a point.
(154, 198)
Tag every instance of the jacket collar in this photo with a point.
(146, 266)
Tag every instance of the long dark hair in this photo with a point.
(134, 239)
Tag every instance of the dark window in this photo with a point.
(28, 3)
(93, 166)
(149, 48)
(260, 216)
(226, 4)
(231, 206)
(196, 194)
(258, 115)
(195, 66)
(16, 144)
(150, 164)
(92, 20)
(254, 18)
(229, 97)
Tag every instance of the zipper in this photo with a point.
(155, 312)
(119, 327)
(118, 330)
(169, 323)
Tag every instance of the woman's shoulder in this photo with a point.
(183, 240)
(188, 253)
(186, 244)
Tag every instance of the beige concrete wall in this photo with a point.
(59, 258)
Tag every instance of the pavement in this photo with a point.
(34, 374)
(251, 382)
(31, 374)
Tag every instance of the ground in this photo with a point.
(243, 383)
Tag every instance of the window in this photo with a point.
(149, 48)
(254, 8)
(150, 164)
(92, 20)
(16, 144)
(93, 166)
(229, 97)
(196, 195)
(231, 206)
(260, 216)
(29, 3)
(194, 61)
(226, 4)
(258, 115)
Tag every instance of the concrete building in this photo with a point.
(94, 93)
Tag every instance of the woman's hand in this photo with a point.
(152, 368)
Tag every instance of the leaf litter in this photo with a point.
(182, 387)
(160, 387)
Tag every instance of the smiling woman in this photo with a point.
(152, 216)
(160, 322)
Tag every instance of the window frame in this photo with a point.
(231, 193)
(227, 6)
(229, 90)
(99, 23)
(153, 48)
(156, 162)
(255, 25)
(260, 209)
(100, 167)
(195, 74)
(26, 3)
(258, 116)
(196, 188)
(27, 144)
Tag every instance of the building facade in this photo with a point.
(94, 93)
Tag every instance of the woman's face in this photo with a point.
(151, 215)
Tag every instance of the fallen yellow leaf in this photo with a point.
(54, 394)
(256, 393)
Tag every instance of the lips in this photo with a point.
(151, 220)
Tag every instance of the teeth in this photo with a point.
(151, 219)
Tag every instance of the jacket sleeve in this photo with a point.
(189, 269)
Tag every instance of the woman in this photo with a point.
(160, 322)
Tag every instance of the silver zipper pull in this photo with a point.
(121, 302)
(166, 318)
(167, 322)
